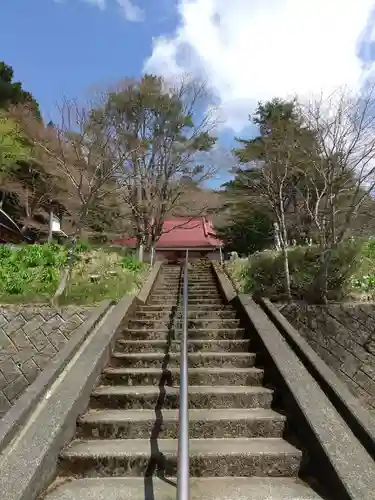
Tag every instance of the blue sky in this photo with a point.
(63, 47)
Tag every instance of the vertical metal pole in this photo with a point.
(183, 439)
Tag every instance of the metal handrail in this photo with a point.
(183, 438)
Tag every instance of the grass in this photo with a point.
(30, 274)
(114, 277)
(351, 273)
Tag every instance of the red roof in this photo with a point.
(183, 232)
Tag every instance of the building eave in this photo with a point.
(200, 249)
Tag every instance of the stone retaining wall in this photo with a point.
(29, 338)
(344, 337)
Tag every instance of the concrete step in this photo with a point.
(208, 457)
(171, 376)
(192, 278)
(170, 296)
(171, 275)
(210, 323)
(211, 313)
(191, 291)
(149, 324)
(173, 308)
(196, 333)
(163, 313)
(202, 274)
(159, 360)
(232, 346)
(201, 323)
(173, 285)
(178, 300)
(191, 286)
(126, 397)
(205, 280)
(204, 301)
(192, 282)
(208, 488)
(143, 424)
(192, 302)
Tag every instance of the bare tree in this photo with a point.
(340, 176)
(80, 154)
(37, 189)
(169, 145)
(271, 184)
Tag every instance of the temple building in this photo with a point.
(180, 233)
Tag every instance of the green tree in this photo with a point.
(12, 93)
(13, 150)
(274, 161)
(246, 225)
(13, 147)
(247, 233)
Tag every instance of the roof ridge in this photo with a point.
(184, 232)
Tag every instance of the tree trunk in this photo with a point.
(50, 232)
(28, 218)
(152, 255)
(276, 235)
(286, 271)
(25, 227)
(319, 288)
(283, 237)
(66, 271)
(2, 200)
(284, 250)
(141, 252)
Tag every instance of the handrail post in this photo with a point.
(183, 439)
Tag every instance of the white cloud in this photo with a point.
(251, 50)
(132, 12)
(98, 3)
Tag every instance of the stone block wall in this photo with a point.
(344, 337)
(29, 338)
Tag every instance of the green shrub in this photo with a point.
(131, 263)
(263, 273)
(368, 250)
(82, 246)
(364, 283)
(5, 252)
(32, 272)
(49, 254)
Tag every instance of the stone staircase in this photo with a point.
(126, 442)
